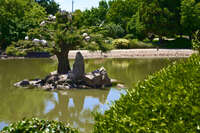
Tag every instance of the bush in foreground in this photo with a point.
(35, 125)
(166, 102)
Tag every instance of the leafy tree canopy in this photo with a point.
(17, 17)
(50, 6)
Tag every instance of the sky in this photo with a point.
(78, 4)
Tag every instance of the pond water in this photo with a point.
(73, 106)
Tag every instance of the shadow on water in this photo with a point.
(72, 106)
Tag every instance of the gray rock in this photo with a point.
(87, 38)
(23, 83)
(36, 40)
(97, 79)
(51, 17)
(51, 79)
(78, 67)
(42, 23)
(85, 34)
(120, 86)
(62, 78)
(26, 38)
(44, 42)
(48, 87)
(35, 83)
(63, 87)
(54, 73)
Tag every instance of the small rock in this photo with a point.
(120, 86)
(87, 38)
(54, 73)
(42, 23)
(48, 87)
(44, 42)
(26, 38)
(85, 34)
(36, 40)
(23, 83)
(63, 87)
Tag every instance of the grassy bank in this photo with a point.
(167, 101)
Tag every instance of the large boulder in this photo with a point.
(78, 70)
(97, 79)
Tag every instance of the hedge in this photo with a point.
(166, 102)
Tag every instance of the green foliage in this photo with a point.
(40, 33)
(50, 6)
(135, 43)
(167, 101)
(36, 125)
(129, 36)
(113, 30)
(190, 16)
(178, 43)
(77, 18)
(97, 42)
(22, 47)
(136, 27)
(196, 41)
(121, 43)
(121, 11)
(158, 17)
(95, 16)
(66, 40)
(16, 18)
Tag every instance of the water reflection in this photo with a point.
(73, 106)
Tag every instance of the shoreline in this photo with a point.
(124, 53)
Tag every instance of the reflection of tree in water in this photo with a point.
(76, 114)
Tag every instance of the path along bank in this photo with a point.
(126, 53)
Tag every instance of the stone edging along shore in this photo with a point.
(127, 53)
(135, 53)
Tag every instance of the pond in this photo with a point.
(73, 106)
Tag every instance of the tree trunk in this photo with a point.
(63, 62)
(190, 37)
(160, 39)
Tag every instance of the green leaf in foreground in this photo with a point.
(35, 125)
(166, 102)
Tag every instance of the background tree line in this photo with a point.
(114, 18)
(142, 17)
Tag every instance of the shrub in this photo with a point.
(35, 125)
(121, 43)
(178, 43)
(165, 102)
(129, 36)
(196, 41)
(113, 30)
(139, 44)
(11, 50)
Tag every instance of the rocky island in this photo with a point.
(76, 78)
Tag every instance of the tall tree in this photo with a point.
(120, 11)
(66, 37)
(190, 16)
(159, 18)
(95, 16)
(50, 6)
(16, 18)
